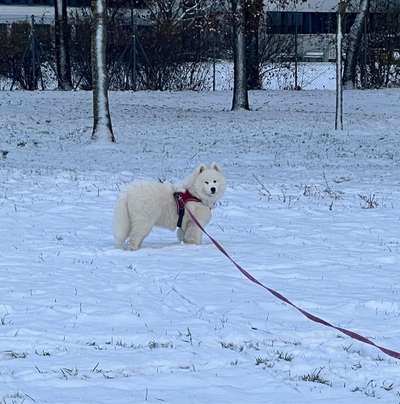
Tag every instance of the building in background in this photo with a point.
(43, 10)
(313, 22)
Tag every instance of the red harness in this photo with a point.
(181, 199)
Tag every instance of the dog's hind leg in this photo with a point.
(138, 233)
(121, 221)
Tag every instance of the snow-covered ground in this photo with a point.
(311, 212)
(310, 76)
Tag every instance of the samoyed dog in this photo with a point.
(144, 205)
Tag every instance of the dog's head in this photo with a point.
(208, 183)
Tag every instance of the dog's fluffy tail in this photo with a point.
(121, 222)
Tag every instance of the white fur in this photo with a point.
(147, 204)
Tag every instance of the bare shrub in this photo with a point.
(369, 201)
(379, 59)
(173, 49)
(16, 48)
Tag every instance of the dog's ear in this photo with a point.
(200, 169)
(216, 167)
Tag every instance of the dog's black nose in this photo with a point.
(213, 190)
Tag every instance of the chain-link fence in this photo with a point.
(140, 54)
(196, 56)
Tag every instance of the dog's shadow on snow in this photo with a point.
(162, 245)
(153, 247)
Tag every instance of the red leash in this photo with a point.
(310, 316)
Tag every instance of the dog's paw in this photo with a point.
(190, 239)
(133, 247)
(119, 245)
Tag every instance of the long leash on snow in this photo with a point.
(278, 295)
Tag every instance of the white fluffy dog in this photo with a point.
(147, 204)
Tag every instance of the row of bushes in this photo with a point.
(168, 56)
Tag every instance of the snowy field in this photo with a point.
(311, 212)
(310, 76)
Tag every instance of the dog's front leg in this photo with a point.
(192, 233)
(180, 234)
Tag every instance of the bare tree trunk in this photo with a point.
(62, 45)
(254, 10)
(240, 93)
(354, 44)
(102, 128)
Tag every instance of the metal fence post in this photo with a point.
(133, 62)
(33, 52)
(339, 65)
(214, 41)
(296, 86)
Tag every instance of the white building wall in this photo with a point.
(329, 6)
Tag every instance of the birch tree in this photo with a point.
(354, 44)
(102, 128)
(240, 91)
(62, 45)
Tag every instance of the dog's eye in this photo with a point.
(214, 182)
(207, 182)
